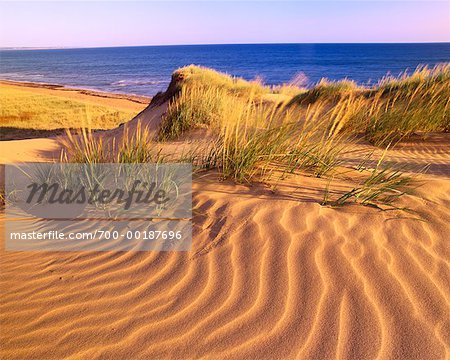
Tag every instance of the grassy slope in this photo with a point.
(308, 132)
(386, 113)
(256, 139)
(25, 109)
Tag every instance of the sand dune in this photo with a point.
(269, 277)
(16, 151)
(49, 149)
(417, 155)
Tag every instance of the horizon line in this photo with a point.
(30, 48)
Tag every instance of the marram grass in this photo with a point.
(385, 114)
(133, 147)
(252, 139)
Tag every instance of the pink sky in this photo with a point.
(86, 24)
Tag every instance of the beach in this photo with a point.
(225, 180)
(121, 101)
(272, 273)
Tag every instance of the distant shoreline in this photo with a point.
(211, 44)
(90, 92)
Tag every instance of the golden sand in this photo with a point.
(269, 277)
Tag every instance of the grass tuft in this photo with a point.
(93, 148)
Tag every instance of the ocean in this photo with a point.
(146, 70)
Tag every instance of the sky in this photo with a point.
(112, 23)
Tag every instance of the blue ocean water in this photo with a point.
(146, 70)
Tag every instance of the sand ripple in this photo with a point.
(267, 279)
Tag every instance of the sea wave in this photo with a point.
(20, 75)
(122, 83)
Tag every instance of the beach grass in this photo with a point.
(399, 107)
(385, 114)
(380, 186)
(198, 76)
(251, 139)
(251, 135)
(133, 147)
(327, 90)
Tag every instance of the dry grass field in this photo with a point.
(43, 109)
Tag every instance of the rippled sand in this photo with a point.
(269, 277)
